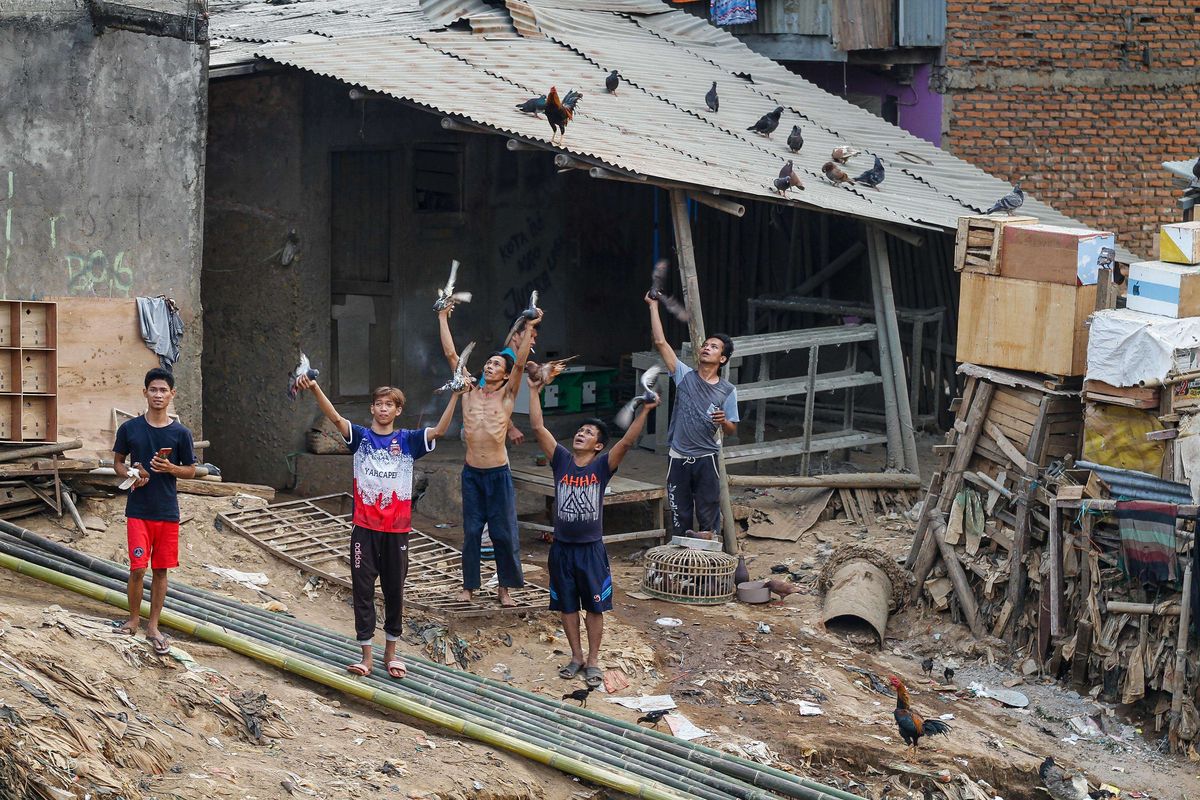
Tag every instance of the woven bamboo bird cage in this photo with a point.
(683, 575)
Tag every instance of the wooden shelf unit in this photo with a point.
(28, 371)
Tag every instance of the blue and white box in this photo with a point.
(1169, 290)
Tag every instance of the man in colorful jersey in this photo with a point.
(579, 574)
(383, 471)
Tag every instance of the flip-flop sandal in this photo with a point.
(160, 643)
(570, 671)
(397, 666)
(118, 627)
(359, 670)
(593, 677)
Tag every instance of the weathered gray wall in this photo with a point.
(101, 167)
(585, 244)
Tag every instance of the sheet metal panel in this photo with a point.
(921, 23)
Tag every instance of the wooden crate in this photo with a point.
(28, 371)
(977, 247)
(1024, 325)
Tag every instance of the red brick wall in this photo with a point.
(1056, 95)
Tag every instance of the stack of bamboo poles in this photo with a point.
(580, 742)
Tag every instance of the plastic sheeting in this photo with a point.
(1115, 436)
(1126, 347)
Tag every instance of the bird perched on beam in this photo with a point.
(533, 105)
(767, 123)
(872, 177)
(711, 100)
(653, 717)
(580, 695)
(912, 726)
(834, 174)
(1010, 202)
(557, 115)
(795, 139)
(1060, 785)
(844, 153)
(612, 82)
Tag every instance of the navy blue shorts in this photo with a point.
(580, 578)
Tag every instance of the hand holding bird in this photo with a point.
(657, 293)
(446, 295)
(648, 397)
(461, 380)
(301, 377)
(529, 314)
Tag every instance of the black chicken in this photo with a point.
(948, 674)
(927, 667)
(711, 100)
(580, 695)
(767, 123)
(653, 717)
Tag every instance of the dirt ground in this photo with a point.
(735, 670)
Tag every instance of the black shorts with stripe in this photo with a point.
(580, 578)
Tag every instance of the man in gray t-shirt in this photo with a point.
(704, 403)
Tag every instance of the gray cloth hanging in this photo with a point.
(162, 328)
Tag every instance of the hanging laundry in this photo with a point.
(732, 12)
(161, 328)
(1148, 540)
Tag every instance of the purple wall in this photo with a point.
(919, 109)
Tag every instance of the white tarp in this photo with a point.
(1127, 347)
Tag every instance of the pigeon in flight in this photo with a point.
(1010, 202)
(711, 100)
(658, 285)
(624, 417)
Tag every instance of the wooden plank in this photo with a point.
(1010, 450)
(220, 489)
(102, 362)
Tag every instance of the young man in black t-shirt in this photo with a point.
(152, 509)
(579, 574)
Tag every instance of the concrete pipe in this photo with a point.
(863, 587)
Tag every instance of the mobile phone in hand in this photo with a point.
(163, 452)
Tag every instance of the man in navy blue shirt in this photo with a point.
(579, 574)
(152, 509)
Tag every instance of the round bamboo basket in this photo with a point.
(684, 575)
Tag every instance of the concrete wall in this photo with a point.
(584, 244)
(101, 167)
(1081, 102)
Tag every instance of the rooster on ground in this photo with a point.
(557, 115)
(1060, 785)
(912, 726)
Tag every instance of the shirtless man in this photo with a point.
(487, 487)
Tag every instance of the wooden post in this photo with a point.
(891, 414)
(958, 577)
(691, 288)
(1054, 540)
(1181, 641)
(887, 322)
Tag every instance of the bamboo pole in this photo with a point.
(1181, 643)
(691, 287)
(259, 623)
(239, 644)
(40, 450)
(891, 413)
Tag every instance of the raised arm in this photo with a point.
(660, 339)
(443, 425)
(331, 414)
(544, 438)
(518, 371)
(448, 348)
(626, 442)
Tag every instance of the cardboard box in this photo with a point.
(1025, 325)
(1168, 290)
(1054, 255)
(1179, 243)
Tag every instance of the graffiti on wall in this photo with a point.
(535, 259)
(85, 269)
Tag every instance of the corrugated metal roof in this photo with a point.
(656, 126)
(921, 23)
(805, 17)
(1182, 169)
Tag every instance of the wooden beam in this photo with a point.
(610, 175)
(189, 27)
(888, 323)
(1169, 608)
(829, 270)
(1181, 641)
(1054, 540)
(728, 206)
(451, 124)
(958, 577)
(40, 450)
(686, 255)
(903, 234)
(850, 480)
(564, 161)
(516, 145)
